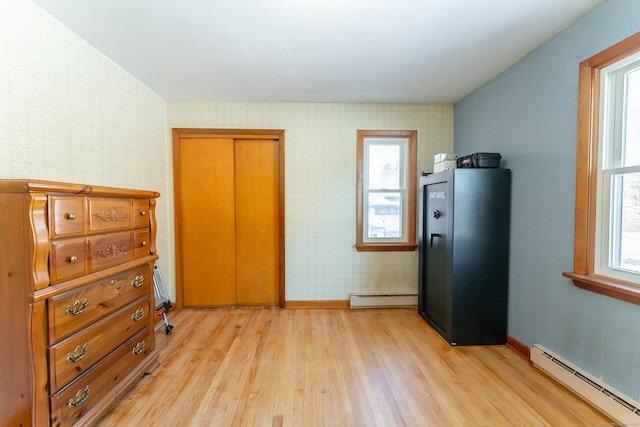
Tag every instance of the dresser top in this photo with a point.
(34, 186)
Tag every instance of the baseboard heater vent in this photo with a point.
(383, 300)
(608, 400)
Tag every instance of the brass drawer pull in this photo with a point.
(143, 243)
(139, 348)
(80, 398)
(78, 307)
(79, 353)
(137, 281)
(139, 314)
(71, 216)
(143, 213)
(73, 259)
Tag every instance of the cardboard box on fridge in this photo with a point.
(444, 166)
(444, 161)
(443, 157)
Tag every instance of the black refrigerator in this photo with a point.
(464, 254)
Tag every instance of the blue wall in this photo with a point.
(529, 114)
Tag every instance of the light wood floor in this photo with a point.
(337, 367)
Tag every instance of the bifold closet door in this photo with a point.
(230, 221)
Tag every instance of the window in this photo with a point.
(618, 203)
(607, 228)
(386, 191)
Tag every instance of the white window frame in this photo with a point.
(612, 126)
(403, 146)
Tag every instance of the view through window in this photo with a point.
(386, 187)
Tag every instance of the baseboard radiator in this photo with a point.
(382, 300)
(608, 400)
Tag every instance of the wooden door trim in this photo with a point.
(271, 134)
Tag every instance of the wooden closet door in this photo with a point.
(257, 221)
(208, 222)
(228, 221)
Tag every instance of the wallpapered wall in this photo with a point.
(320, 186)
(68, 113)
(529, 114)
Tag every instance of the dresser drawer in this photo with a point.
(141, 243)
(73, 402)
(76, 309)
(79, 352)
(140, 213)
(107, 214)
(68, 259)
(106, 250)
(66, 216)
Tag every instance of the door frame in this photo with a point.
(270, 134)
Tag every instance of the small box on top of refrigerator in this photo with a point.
(444, 161)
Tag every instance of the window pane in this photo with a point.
(626, 236)
(384, 166)
(632, 138)
(384, 215)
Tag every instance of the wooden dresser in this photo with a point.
(76, 299)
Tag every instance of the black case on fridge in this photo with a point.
(479, 160)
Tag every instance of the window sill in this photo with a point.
(386, 247)
(613, 288)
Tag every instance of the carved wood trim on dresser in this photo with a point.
(76, 299)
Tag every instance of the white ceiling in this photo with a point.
(414, 51)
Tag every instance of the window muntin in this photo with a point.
(618, 198)
(385, 208)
